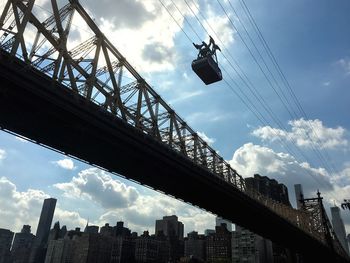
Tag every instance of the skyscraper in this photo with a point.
(298, 194)
(45, 221)
(43, 230)
(338, 226)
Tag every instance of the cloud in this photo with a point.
(219, 26)
(344, 63)
(97, 185)
(185, 95)
(65, 164)
(142, 31)
(250, 159)
(126, 203)
(205, 117)
(306, 133)
(123, 13)
(208, 140)
(24, 208)
(2, 154)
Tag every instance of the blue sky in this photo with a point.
(310, 40)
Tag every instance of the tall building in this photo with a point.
(339, 228)
(147, 248)
(195, 246)
(6, 237)
(219, 221)
(43, 230)
(170, 226)
(22, 245)
(277, 192)
(269, 187)
(45, 220)
(218, 245)
(173, 232)
(299, 194)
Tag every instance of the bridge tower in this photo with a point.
(319, 223)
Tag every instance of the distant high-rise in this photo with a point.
(45, 220)
(218, 245)
(278, 192)
(6, 237)
(339, 228)
(173, 232)
(195, 246)
(219, 221)
(170, 226)
(22, 245)
(269, 187)
(298, 194)
(43, 230)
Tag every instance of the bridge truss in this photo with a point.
(94, 69)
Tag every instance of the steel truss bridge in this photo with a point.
(85, 100)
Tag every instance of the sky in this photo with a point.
(296, 133)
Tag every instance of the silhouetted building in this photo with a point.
(173, 231)
(22, 245)
(147, 248)
(123, 249)
(120, 230)
(339, 228)
(219, 220)
(91, 229)
(195, 246)
(250, 247)
(106, 230)
(57, 251)
(207, 232)
(6, 237)
(269, 187)
(170, 226)
(299, 195)
(42, 233)
(218, 245)
(92, 248)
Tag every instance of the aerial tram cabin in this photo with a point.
(206, 65)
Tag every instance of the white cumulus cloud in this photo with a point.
(97, 185)
(207, 139)
(251, 159)
(306, 132)
(18, 208)
(125, 203)
(65, 164)
(2, 154)
(345, 64)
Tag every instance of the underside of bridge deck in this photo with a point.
(34, 106)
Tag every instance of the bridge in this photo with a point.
(88, 102)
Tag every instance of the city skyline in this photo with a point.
(319, 73)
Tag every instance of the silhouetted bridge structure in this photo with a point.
(90, 103)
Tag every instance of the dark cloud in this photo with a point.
(120, 13)
(157, 53)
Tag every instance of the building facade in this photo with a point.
(218, 245)
(42, 233)
(6, 237)
(22, 245)
(339, 228)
